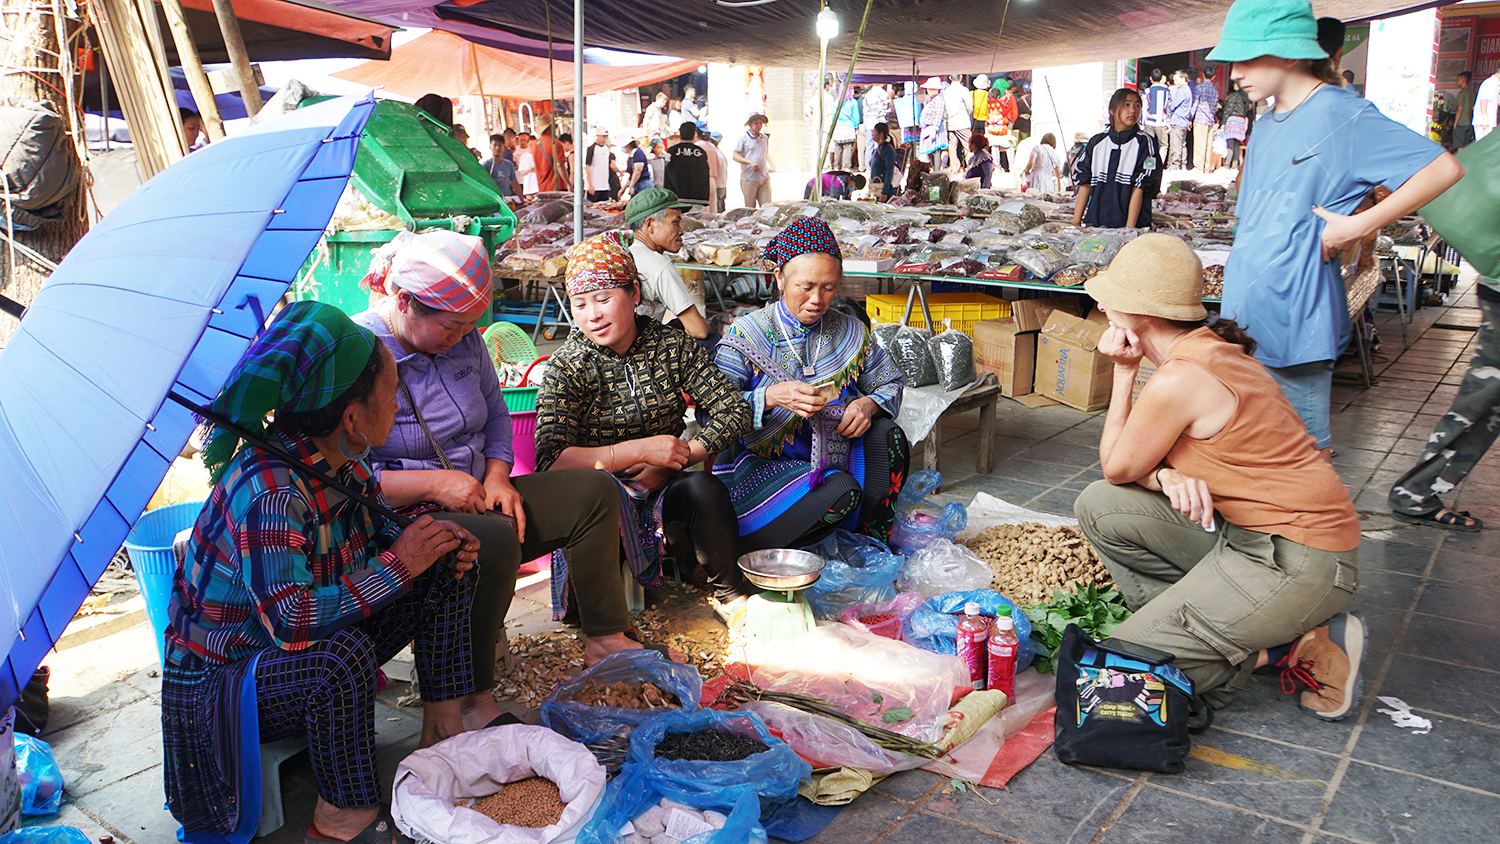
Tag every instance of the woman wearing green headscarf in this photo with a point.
(291, 595)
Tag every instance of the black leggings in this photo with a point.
(698, 516)
(817, 514)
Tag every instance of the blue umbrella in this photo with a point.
(163, 297)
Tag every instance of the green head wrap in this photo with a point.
(1001, 85)
(304, 360)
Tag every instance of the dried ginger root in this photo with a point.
(1029, 561)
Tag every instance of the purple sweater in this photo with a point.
(459, 395)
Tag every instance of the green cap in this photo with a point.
(650, 201)
(1285, 29)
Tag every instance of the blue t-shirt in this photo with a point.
(639, 157)
(1330, 151)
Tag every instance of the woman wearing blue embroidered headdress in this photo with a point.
(824, 450)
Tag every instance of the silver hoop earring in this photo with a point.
(353, 455)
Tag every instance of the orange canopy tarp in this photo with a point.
(442, 63)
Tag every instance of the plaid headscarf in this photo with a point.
(600, 263)
(304, 360)
(807, 234)
(444, 270)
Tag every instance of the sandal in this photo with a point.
(1443, 518)
(635, 636)
(382, 831)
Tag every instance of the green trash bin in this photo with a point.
(410, 167)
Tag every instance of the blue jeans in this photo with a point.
(1308, 387)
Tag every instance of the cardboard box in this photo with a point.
(1002, 348)
(1068, 367)
(1141, 377)
(1032, 314)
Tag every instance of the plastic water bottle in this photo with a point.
(1003, 646)
(973, 634)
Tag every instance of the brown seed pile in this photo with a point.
(1030, 561)
(625, 695)
(533, 802)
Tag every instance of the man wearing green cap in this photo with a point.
(1308, 165)
(655, 220)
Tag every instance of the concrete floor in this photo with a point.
(1264, 771)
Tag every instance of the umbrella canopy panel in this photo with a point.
(443, 63)
(944, 36)
(165, 294)
(283, 30)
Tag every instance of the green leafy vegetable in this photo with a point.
(876, 698)
(896, 715)
(1096, 610)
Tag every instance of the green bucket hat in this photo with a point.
(650, 201)
(1285, 29)
(305, 359)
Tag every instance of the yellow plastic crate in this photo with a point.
(964, 309)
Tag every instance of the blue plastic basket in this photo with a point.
(150, 548)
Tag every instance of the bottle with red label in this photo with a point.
(1003, 647)
(973, 635)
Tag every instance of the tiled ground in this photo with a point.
(1264, 772)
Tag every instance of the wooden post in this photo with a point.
(229, 25)
(192, 67)
(30, 38)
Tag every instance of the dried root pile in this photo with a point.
(1029, 561)
(626, 696)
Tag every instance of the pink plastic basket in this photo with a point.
(523, 433)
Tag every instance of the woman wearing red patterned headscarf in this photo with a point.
(613, 398)
(825, 451)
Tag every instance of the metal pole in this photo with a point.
(234, 42)
(578, 125)
(192, 68)
(822, 118)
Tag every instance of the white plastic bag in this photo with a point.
(880, 681)
(943, 567)
(477, 764)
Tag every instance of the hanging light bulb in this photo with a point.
(828, 24)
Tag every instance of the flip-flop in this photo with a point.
(502, 720)
(1443, 518)
(382, 831)
(635, 636)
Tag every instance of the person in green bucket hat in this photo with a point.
(1309, 165)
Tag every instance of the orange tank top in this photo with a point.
(1264, 470)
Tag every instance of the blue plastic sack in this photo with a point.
(859, 570)
(45, 835)
(934, 626)
(920, 523)
(589, 724)
(41, 780)
(736, 788)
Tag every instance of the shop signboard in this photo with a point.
(1487, 56)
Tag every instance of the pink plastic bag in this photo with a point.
(898, 608)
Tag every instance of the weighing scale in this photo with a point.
(780, 612)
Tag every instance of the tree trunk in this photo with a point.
(30, 40)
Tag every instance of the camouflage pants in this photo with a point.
(1464, 433)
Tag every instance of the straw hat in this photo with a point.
(1154, 275)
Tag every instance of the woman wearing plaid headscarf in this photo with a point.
(451, 450)
(825, 451)
(613, 398)
(291, 595)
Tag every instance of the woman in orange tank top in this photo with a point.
(1229, 534)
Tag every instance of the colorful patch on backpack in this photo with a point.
(1115, 695)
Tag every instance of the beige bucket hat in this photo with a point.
(1154, 275)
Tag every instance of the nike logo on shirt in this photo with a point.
(1296, 161)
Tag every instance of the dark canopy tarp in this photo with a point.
(281, 30)
(944, 36)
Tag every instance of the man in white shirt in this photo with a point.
(1486, 104)
(655, 219)
(877, 102)
(654, 121)
(753, 152)
(960, 106)
(596, 166)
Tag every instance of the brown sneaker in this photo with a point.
(1327, 661)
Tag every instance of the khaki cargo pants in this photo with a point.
(1213, 599)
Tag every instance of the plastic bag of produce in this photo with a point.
(589, 724)
(858, 569)
(953, 352)
(883, 618)
(735, 787)
(10, 786)
(41, 780)
(914, 356)
(1098, 249)
(1040, 260)
(880, 681)
(884, 334)
(46, 835)
(827, 742)
(476, 764)
(919, 522)
(1074, 275)
(934, 626)
(943, 567)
